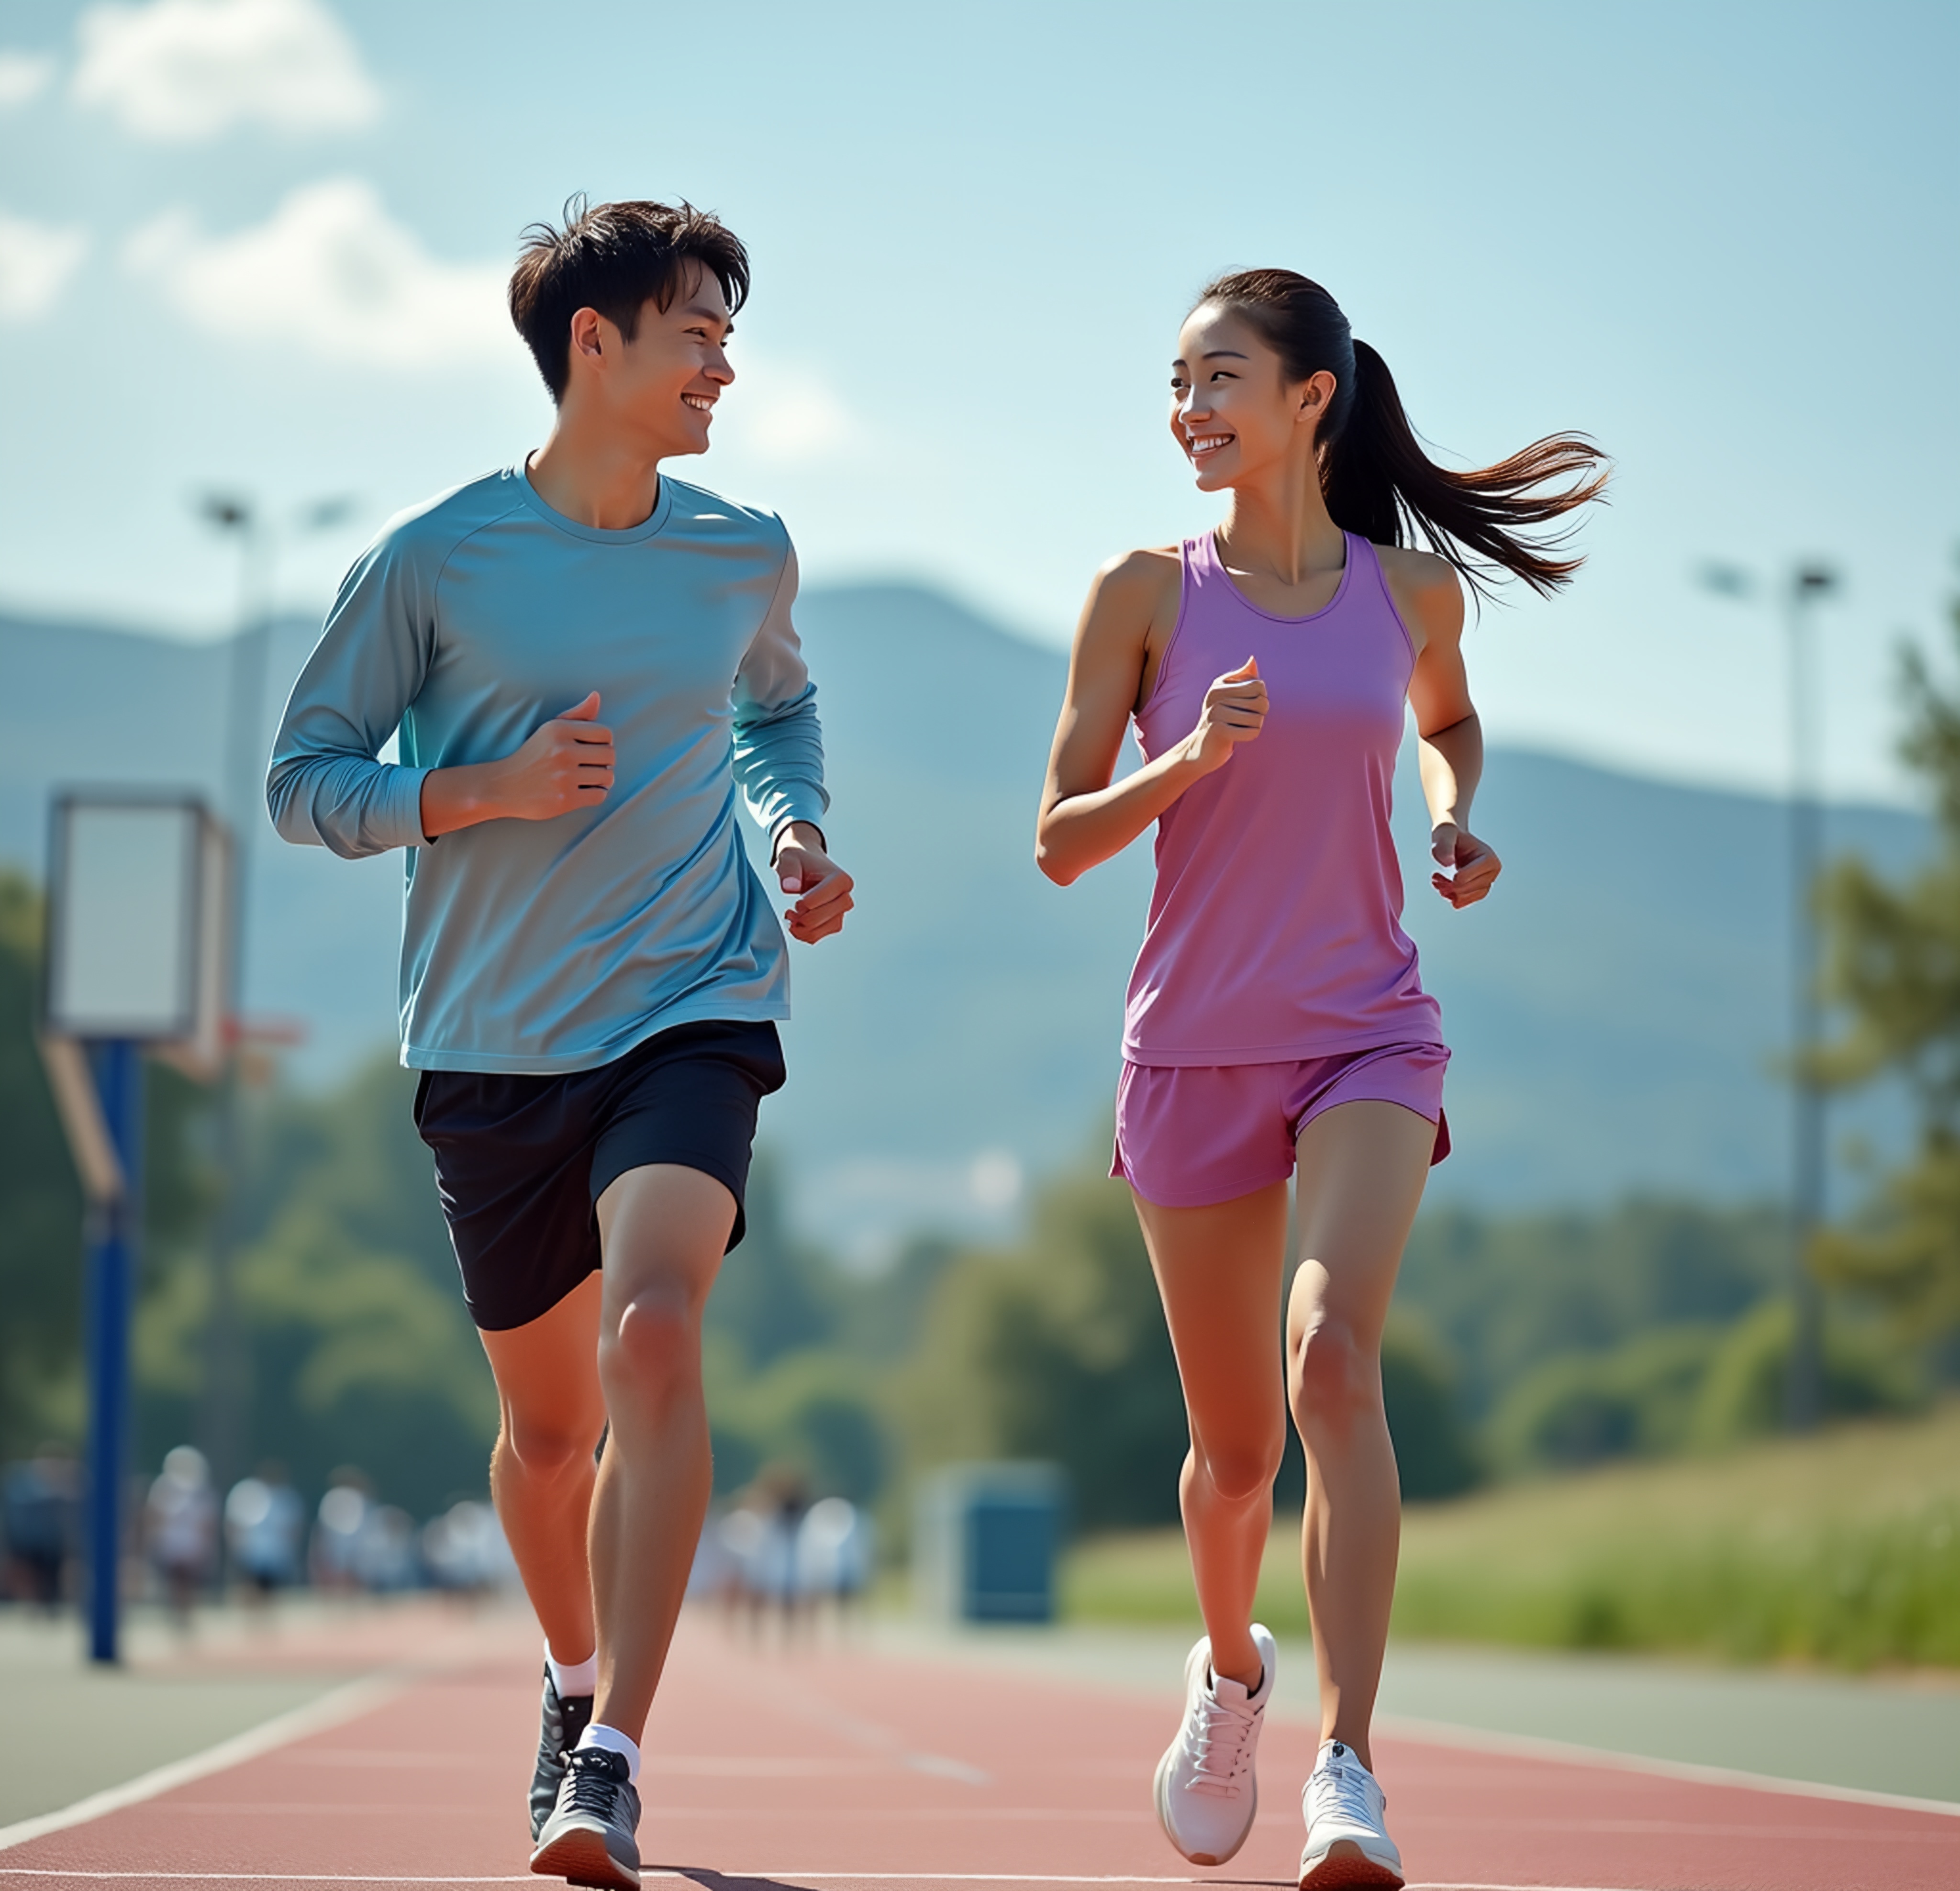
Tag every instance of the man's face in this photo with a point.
(662, 386)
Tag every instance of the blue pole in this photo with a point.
(112, 1241)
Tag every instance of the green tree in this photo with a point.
(42, 1391)
(1578, 1408)
(1058, 1350)
(1893, 963)
(1741, 1394)
(774, 1294)
(40, 1208)
(1433, 1455)
(352, 1150)
(359, 1347)
(1507, 1293)
(818, 1410)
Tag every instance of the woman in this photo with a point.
(1276, 1020)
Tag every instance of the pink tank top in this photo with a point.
(1275, 928)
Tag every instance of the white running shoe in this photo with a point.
(1347, 1842)
(1207, 1791)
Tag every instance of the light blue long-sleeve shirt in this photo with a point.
(541, 946)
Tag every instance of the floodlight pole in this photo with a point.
(221, 1420)
(1803, 1385)
(113, 1222)
(1803, 1380)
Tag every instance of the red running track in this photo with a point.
(833, 1769)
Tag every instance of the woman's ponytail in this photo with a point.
(1374, 475)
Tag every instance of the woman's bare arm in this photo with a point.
(1085, 818)
(1450, 754)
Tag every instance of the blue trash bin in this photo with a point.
(986, 1539)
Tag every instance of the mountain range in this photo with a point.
(1616, 1009)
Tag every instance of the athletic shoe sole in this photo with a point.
(1345, 1865)
(579, 1857)
(1160, 1786)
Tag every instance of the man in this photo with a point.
(584, 657)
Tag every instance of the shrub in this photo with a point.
(1741, 1395)
(1580, 1408)
(1432, 1449)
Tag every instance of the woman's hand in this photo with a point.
(1475, 864)
(1234, 711)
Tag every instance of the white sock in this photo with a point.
(614, 1741)
(573, 1678)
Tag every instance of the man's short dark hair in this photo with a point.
(615, 258)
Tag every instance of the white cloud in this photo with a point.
(22, 76)
(179, 71)
(35, 261)
(332, 273)
(782, 416)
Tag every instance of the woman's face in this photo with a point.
(1233, 413)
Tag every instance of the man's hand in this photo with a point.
(804, 867)
(564, 764)
(1476, 865)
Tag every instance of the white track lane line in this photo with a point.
(809, 1877)
(1529, 1746)
(342, 1705)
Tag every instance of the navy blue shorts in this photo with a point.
(521, 1161)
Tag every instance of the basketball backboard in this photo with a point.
(137, 926)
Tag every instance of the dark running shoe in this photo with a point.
(561, 1724)
(589, 1838)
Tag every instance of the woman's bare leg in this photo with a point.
(1362, 1168)
(1220, 1271)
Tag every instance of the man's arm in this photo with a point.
(325, 787)
(779, 761)
(565, 765)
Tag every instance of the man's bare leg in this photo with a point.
(541, 1467)
(662, 1228)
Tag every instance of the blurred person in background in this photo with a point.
(37, 1514)
(835, 1554)
(180, 1528)
(387, 1550)
(739, 1533)
(584, 659)
(760, 1536)
(332, 1554)
(265, 1524)
(711, 1576)
(1276, 1018)
(464, 1550)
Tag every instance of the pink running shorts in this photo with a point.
(1189, 1135)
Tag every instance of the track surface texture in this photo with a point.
(834, 1766)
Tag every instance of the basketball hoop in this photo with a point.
(138, 893)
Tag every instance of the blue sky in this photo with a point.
(260, 243)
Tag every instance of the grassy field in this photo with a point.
(1843, 1548)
